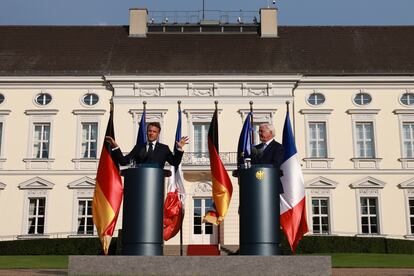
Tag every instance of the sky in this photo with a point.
(291, 12)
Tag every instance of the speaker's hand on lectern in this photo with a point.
(111, 141)
(182, 142)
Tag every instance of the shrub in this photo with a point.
(69, 246)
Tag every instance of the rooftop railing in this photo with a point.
(203, 17)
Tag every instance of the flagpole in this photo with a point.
(218, 226)
(182, 214)
(251, 121)
(144, 103)
(293, 125)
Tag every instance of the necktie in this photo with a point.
(150, 151)
(262, 147)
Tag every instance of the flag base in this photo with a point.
(142, 249)
(260, 249)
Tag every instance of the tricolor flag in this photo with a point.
(245, 140)
(292, 201)
(222, 187)
(142, 131)
(107, 196)
(174, 203)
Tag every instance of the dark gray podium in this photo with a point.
(142, 220)
(259, 210)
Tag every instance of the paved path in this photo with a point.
(335, 272)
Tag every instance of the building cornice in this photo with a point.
(316, 111)
(357, 79)
(48, 79)
(206, 78)
(89, 111)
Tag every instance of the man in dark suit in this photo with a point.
(268, 151)
(151, 152)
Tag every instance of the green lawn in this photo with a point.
(9, 262)
(338, 260)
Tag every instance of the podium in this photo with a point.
(259, 210)
(142, 220)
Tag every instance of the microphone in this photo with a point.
(256, 152)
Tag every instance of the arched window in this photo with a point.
(90, 99)
(43, 98)
(407, 98)
(362, 98)
(316, 99)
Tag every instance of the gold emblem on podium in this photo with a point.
(260, 175)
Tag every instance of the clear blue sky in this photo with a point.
(291, 12)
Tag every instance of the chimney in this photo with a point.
(268, 22)
(138, 22)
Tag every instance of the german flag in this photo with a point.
(222, 187)
(108, 191)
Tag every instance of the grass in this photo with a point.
(338, 260)
(27, 262)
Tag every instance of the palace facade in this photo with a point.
(351, 91)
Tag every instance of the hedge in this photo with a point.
(68, 246)
(340, 244)
(308, 245)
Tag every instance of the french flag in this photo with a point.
(174, 202)
(292, 201)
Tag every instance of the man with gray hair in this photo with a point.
(268, 151)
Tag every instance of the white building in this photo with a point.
(352, 95)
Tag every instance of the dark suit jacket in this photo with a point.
(273, 154)
(160, 155)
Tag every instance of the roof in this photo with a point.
(107, 50)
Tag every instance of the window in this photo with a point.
(411, 214)
(408, 139)
(89, 140)
(320, 215)
(85, 221)
(369, 217)
(1, 98)
(364, 140)
(41, 140)
(256, 137)
(316, 99)
(362, 98)
(36, 216)
(201, 207)
(43, 99)
(200, 139)
(317, 140)
(407, 98)
(90, 99)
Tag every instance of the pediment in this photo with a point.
(36, 183)
(408, 184)
(321, 183)
(82, 183)
(202, 188)
(2, 186)
(368, 182)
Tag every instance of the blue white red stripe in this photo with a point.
(292, 201)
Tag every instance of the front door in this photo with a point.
(202, 233)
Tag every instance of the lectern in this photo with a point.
(259, 210)
(142, 220)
